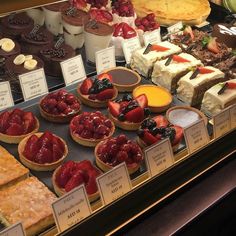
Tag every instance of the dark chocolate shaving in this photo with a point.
(59, 42)
(35, 30)
(149, 75)
(223, 89)
(195, 73)
(168, 61)
(93, 24)
(148, 49)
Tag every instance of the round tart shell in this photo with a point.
(37, 166)
(91, 142)
(94, 103)
(105, 167)
(156, 109)
(61, 191)
(125, 125)
(122, 87)
(17, 138)
(57, 118)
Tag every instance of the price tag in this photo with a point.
(152, 37)
(196, 136)
(233, 116)
(105, 59)
(114, 183)
(221, 123)
(175, 28)
(33, 84)
(16, 229)
(159, 157)
(73, 70)
(6, 99)
(129, 46)
(71, 208)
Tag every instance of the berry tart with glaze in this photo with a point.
(72, 174)
(15, 125)
(122, 31)
(59, 106)
(113, 151)
(97, 92)
(89, 128)
(128, 113)
(42, 151)
(153, 130)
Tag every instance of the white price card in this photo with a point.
(221, 123)
(14, 230)
(6, 99)
(71, 208)
(196, 136)
(33, 84)
(129, 46)
(159, 157)
(175, 28)
(114, 183)
(152, 37)
(105, 59)
(233, 116)
(73, 70)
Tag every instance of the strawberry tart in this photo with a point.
(16, 125)
(97, 92)
(115, 150)
(127, 112)
(73, 174)
(60, 106)
(153, 130)
(42, 151)
(89, 128)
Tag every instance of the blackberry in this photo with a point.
(121, 117)
(148, 123)
(169, 133)
(132, 105)
(127, 97)
(147, 111)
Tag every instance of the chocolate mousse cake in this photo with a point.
(15, 24)
(225, 33)
(8, 47)
(33, 42)
(97, 37)
(53, 55)
(73, 21)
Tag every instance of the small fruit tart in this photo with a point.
(72, 174)
(59, 106)
(113, 151)
(15, 125)
(89, 128)
(97, 92)
(153, 130)
(128, 113)
(42, 151)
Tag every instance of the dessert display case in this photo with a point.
(146, 191)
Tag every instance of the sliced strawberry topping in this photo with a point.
(105, 76)
(91, 186)
(213, 45)
(4, 124)
(15, 129)
(31, 148)
(75, 180)
(204, 70)
(114, 108)
(128, 31)
(29, 121)
(161, 121)
(136, 115)
(142, 100)
(178, 134)
(180, 59)
(148, 138)
(100, 15)
(231, 85)
(159, 48)
(118, 30)
(79, 4)
(85, 86)
(105, 94)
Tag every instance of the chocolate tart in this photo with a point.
(94, 103)
(125, 80)
(159, 99)
(15, 51)
(18, 138)
(61, 191)
(105, 167)
(37, 166)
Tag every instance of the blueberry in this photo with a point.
(121, 117)
(147, 111)
(127, 97)
(148, 123)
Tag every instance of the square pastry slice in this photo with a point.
(193, 85)
(143, 59)
(28, 201)
(168, 72)
(11, 171)
(219, 97)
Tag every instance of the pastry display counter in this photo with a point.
(147, 189)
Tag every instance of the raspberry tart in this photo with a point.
(72, 174)
(15, 125)
(113, 151)
(153, 130)
(128, 113)
(97, 92)
(42, 151)
(89, 128)
(59, 106)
